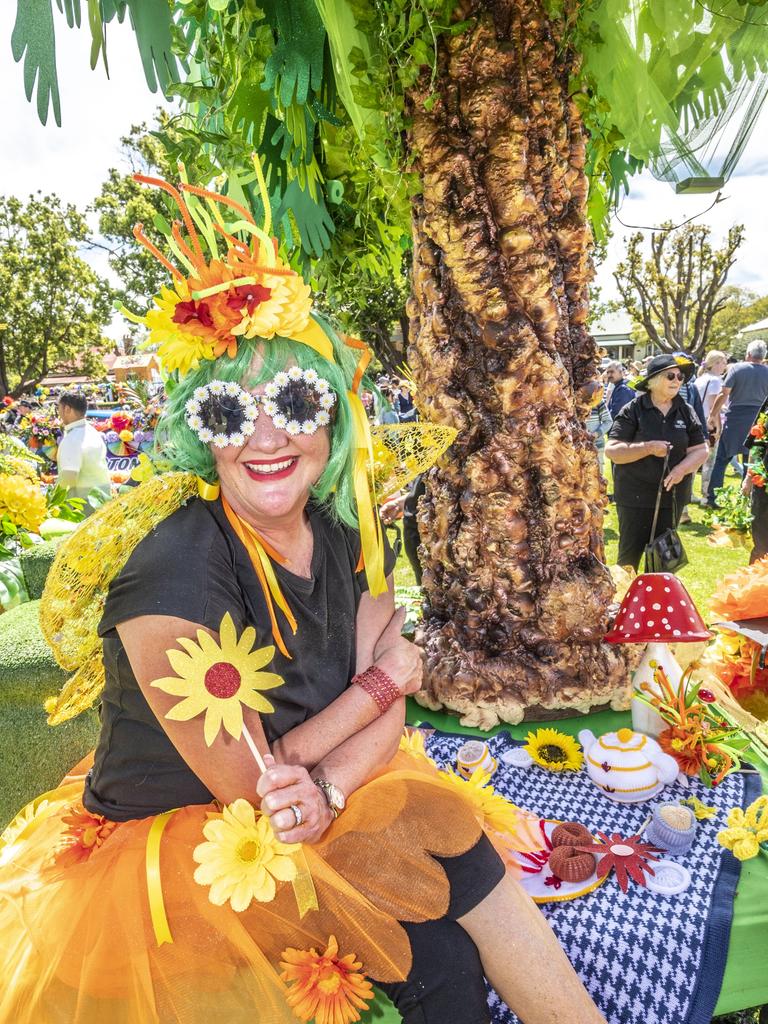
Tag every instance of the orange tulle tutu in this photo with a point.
(80, 946)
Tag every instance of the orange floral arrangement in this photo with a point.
(216, 302)
(325, 987)
(743, 594)
(84, 834)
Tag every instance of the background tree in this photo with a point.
(54, 307)
(677, 292)
(741, 308)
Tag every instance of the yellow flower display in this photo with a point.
(218, 678)
(22, 501)
(491, 809)
(242, 857)
(700, 811)
(746, 829)
(555, 751)
(325, 987)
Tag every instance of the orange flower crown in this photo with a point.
(218, 300)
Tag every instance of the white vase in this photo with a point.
(644, 718)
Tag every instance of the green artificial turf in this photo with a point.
(35, 755)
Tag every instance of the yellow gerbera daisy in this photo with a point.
(218, 677)
(177, 349)
(412, 742)
(491, 808)
(325, 987)
(556, 751)
(242, 857)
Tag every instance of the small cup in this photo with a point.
(672, 827)
(473, 755)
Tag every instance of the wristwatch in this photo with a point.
(333, 795)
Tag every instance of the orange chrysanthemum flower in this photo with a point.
(325, 987)
(85, 833)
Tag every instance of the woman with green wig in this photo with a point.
(253, 840)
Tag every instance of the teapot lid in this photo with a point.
(623, 739)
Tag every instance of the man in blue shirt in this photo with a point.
(621, 393)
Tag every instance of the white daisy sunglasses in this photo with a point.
(297, 401)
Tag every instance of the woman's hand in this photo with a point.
(282, 785)
(657, 448)
(398, 657)
(675, 476)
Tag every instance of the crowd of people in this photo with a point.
(660, 424)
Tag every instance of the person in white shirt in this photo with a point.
(82, 456)
(709, 384)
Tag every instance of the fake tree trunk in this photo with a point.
(511, 525)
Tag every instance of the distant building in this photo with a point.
(145, 366)
(755, 332)
(613, 335)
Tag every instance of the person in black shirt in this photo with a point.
(656, 426)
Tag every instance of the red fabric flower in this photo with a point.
(192, 312)
(630, 858)
(248, 295)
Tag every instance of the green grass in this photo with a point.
(706, 564)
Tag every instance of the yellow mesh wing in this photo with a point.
(403, 450)
(77, 585)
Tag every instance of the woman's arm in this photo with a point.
(622, 452)
(694, 458)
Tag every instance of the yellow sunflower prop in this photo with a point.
(218, 678)
(555, 751)
(490, 807)
(325, 987)
(242, 857)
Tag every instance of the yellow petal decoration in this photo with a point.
(218, 678)
(746, 829)
(553, 750)
(492, 809)
(700, 811)
(242, 858)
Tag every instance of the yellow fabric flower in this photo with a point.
(491, 809)
(242, 857)
(553, 750)
(325, 987)
(177, 349)
(701, 811)
(740, 841)
(22, 501)
(217, 678)
(757, 814)
(412, 742)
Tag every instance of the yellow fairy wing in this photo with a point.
(85, 565)
(403, 450)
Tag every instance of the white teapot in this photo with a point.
(627, 766)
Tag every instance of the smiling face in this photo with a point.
(268, 479)
(664, 389)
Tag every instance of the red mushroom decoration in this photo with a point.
(657, 610)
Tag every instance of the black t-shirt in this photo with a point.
(637, 483)
(193, 566)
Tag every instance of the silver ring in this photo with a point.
(297, 814)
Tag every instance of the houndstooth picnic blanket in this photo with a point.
(642, 957)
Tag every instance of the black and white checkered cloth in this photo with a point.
(644, 958)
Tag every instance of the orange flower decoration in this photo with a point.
(742, 594)
(325, 987)
(86, 833)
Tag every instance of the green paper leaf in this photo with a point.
(34, 39)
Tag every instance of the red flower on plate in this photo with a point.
(629, 858)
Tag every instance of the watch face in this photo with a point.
(337, 797)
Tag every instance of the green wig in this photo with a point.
(180, 446)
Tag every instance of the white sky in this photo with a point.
(73, 160)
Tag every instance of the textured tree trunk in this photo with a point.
(516, 592)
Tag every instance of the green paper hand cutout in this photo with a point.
(296, 63)
(314, 222)
(34, 39)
